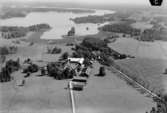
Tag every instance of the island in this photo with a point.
(99, 19)
(93, 19)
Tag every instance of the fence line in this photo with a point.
(138, 84)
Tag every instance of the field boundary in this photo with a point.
(129, 79)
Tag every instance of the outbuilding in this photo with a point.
(76, 60)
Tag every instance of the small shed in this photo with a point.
(79, 81)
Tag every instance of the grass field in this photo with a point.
(151, 50)
(142, 25)
(149, 70)
(107, 94)
(149, 63)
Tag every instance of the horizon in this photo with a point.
(89, 2)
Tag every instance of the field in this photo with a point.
(151, 50)
(142, 25)
(107, 94)
(44, 94)
(149, 63)
(149, 70)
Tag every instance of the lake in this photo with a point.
(59, 21)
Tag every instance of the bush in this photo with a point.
(101, 72)
(165, 71)
(105, 60)
(55, 50)
(64, 56)
(4, 51)
(52, 69)
(32, 68)
(87, 62)
(12, 49)
(93, 43)
(5, 75)
(82, 47)
(69, 44)
(57, 71)
(8, 50)
(107, 51)
(66, 73)
(10, 66)
(107, 40)
(2, 58)
(82, 53)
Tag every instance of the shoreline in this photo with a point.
(54, 9)
(37, 9)
(36, 38)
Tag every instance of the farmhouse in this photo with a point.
(76, 60)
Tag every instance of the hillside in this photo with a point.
(149, 70)
(151, 50)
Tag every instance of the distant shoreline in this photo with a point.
(9, 12)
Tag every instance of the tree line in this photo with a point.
(157, 32)
(9, 32)
(8, 50)
(97, 49)
(161, 105)
(121, 28)
(153, 34)
(93, 19)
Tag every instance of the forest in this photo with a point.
(97, 49)
(93, 19)
(154, 34)
(9, 32)
(121, 28)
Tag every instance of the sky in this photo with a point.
(98, 2)
(92, 1)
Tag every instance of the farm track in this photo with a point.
(134, 83)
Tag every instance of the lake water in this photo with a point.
(60, 22)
